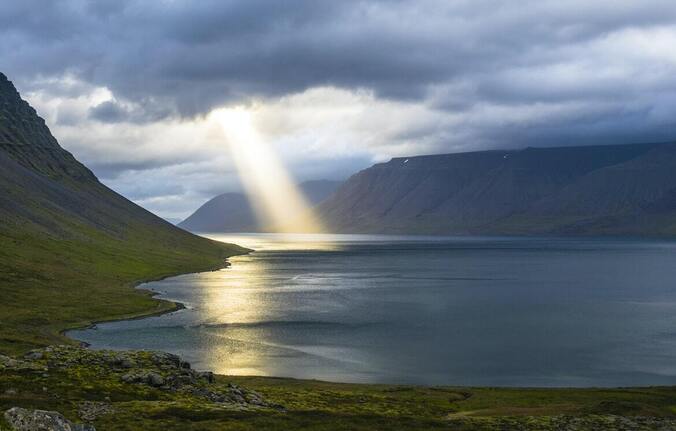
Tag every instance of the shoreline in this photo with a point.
(172, 306)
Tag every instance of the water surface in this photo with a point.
(462, 311)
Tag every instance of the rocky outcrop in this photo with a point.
(20, 365)
(20, 419)
(159, 370)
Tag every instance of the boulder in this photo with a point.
(90, 410)
(34, 355)
(206, 375)
(154, 379)
(41, 420)
(148, 377)
(7, 362)
(127, 363)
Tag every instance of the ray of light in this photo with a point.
(279, 205)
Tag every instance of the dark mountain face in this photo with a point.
(25, 138)
(233, 212)
(227, 212)
(617, 189)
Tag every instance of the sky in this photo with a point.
(131, 87)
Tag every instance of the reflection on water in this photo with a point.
(237, 308)
(466, 311)
(239, 303)
(301, 241)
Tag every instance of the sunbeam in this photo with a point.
(279, 205)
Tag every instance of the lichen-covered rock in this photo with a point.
(90, 410)
(206, 375)
(147, 377)
(33, 355)
(166, 360)
(20, 365)
(41, 420)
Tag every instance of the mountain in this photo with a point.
(233, 212)
(71, 249)
(592, 190)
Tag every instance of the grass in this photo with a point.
(314, 405)
(48, 285)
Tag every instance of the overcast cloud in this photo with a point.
(128, 86)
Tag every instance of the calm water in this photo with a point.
(464, 311)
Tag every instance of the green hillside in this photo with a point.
(71, 250)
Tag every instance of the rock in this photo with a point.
(129, 378)
(160, 370)
(149, 377)
(206, 375)
(183, 380)
(16, 364)
(10, 392)
(33, 355)
(154, 379)
(41, 420)
(90, 410)
(164, 359)
(127, 363)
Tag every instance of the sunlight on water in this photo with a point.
(224, 310)
(286, 241)
(236, 303)
(463, 311)
(277, 201)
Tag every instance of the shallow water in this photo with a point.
(462, 311)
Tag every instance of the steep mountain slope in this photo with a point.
(70, 248)
(233, 212)
(615, 189)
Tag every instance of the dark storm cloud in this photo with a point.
(494, 74)
(109, 112)
(192, 56)
(112, 111)
(196, 55)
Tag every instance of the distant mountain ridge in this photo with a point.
(605, 190)
(233, 212)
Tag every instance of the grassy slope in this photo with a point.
(48, 285)
(71, 249)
